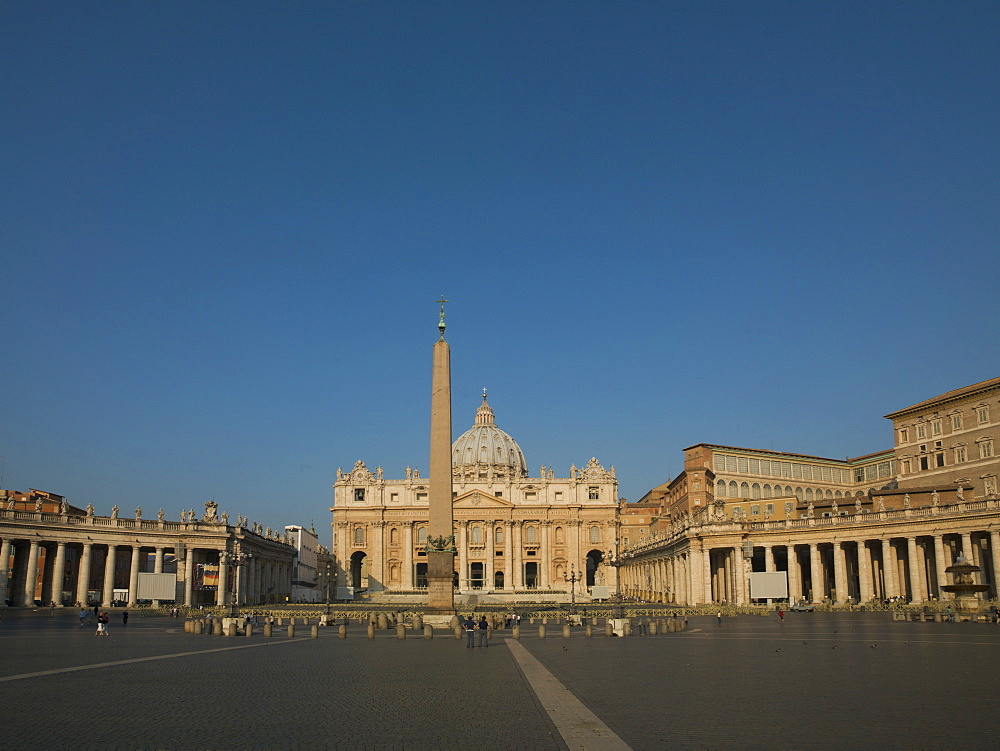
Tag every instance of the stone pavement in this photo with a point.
(819, 680)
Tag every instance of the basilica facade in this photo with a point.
(514, 534)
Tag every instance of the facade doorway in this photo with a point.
(595, 569)
(359, 571)
(531, 575)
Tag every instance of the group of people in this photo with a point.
(103, 618)
(483, 629)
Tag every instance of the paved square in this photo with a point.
(819, 681)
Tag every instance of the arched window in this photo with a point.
(809, 495)
(595, 533)
(559, 536)
(720, 488)
(755, 491)
(788, 490)
(829, 494)
(359, 536)
(422, 535)
(394, 572)
(767, 490)
(498, 535)
(734, 489)
(530, 534)
(744, 490)
(798, 493)
(477, 534)
(394, 536)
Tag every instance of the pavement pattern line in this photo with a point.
(134, 660)
(580, 728)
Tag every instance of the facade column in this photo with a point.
(83, 575)
(508, 555)
(888, 569)
(912, 569)
(740, 576)
(222, 595)
(378, 567)
(133, 575)
(706, 554)
(4, 570)
(463, 556)
(544, 564)
(518, 558)
(31, 575)
(864, 573)
(840, 572)
(794, 578)
(408, 574)
(768, 558)
(815, 573)
(108, 588)
(58, 574)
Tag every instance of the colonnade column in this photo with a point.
(58, 574)
(83, 575)
(815, 573)
(158, 569)
(995, 555)
(940, 565)
(888, 569)
(794, 580)
(31, 576)
(740, 575)
(913, 569)
(769, 558)
(188, 575)
(109, 577)
(706, 553)
(133, 576)
(221, 595)
(864, 572)
(840, 572)
(4, 575)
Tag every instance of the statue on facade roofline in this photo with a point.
(90, 509)
(63, 506)
(225, 518)
(114, 511)
(160, 515)
(211, 509)
(935, 498)
(138, 513)
(38, 504)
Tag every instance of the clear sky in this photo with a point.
(223, 227)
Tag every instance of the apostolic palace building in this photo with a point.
(882, 525)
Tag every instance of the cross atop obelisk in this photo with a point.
(440, 535)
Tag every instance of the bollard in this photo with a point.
(541, 631)
(187, 627)
(652, 628)
(342, 631)
(291, 630)
(280, 623)
(428, 631)
(515, 632)
(532, 621)
(371, 630)
(382, 622)
(608, 628)
(627, 631)
(400, 631)
(314, 631)
(938, 618)
(454, 622)
(418, 622)
(231, 629)
(268, 630)
(458, 632)
(545, 621)
(217, 627)
(566, 631)
(590, 631)
(248, 630)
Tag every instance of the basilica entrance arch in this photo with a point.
(359, 570)
(595, 568)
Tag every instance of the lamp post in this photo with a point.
(615, 560)
(237, 559)
(572, 579)
(328, 588)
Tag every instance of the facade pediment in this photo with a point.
(478, 499)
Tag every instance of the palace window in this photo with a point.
(769, 508)
(720, 488)
(936, 426)
(924, 464)
(939, 459)
(744, 490)
(960, 455)
(477, 535)
(422, 535)
(498, 535)
(956, 421)
(530, 534)
(359, 536)
(904, 467)
(755, 510)
(595, 533)
(593, 493)
(734, 489)
(983, 413)
(985, 448)
(921, 430)
(359, 495)
(755, 491)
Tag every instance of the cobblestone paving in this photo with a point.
(814, 682)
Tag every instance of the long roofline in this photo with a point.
(948, 396)
(848, 460)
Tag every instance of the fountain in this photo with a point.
(965, 589)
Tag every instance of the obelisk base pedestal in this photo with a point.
(440, 589)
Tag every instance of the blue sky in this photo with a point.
(224, 226)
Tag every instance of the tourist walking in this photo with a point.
(718, 617)
(124, 617)
(484, 632)
(781, 615)
(102, 625)
(83, 616)
(470, 632)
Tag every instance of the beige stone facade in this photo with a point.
(53, 552)
(516, 535)
(879, 526)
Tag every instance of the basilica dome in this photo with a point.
(485, 451)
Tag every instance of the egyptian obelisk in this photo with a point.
(440, 535)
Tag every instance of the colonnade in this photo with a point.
(849, 568)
